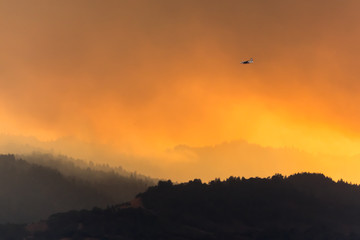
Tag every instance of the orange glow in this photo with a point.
(136, 80)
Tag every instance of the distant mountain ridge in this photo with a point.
(301, 206)
(75, 167)
(31, 192)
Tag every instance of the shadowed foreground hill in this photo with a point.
(301, 206)
(31, 192)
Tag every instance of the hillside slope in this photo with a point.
(301, 206)
(115, 183)
(30, 192)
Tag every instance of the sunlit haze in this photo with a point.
(157, 86)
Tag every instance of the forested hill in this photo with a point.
(301, 206)
(75, 167)
(31, 192)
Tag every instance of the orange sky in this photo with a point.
(139, 78)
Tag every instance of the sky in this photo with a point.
(157, 86)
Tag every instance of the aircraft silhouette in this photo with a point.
(248, 61)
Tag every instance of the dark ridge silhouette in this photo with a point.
(301, 206)
(31, 192)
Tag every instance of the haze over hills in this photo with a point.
(33, 190)
(184, 162)
(301, 206)
(75, 167)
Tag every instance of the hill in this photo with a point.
(75, 167)
(301, 206)
(31, 192)
(115, 183)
